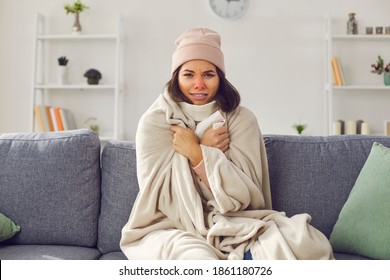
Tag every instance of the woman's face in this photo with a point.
(199, 81)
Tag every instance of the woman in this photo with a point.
(203, 174)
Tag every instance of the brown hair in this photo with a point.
(227, 97)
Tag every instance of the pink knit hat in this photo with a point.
(198, 43)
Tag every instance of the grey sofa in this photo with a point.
(71, 197)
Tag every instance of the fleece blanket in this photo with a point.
(175, 216)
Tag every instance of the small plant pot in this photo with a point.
(62, 74)
(76, 30)
(93, 81)
(93, 76)
(386, 78)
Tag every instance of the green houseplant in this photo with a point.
(299, 128)
(380, 68)
(76, 8)
(92, 124)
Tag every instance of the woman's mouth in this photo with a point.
(199, 96)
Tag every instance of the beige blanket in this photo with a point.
(175, 216)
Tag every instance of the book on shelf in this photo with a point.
(67, 119)
(341, 69)
(49, 119)
(42, 115)
(57, 119)
(39, 118)
(338, 72)
(53, 118)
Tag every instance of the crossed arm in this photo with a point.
(186, 143)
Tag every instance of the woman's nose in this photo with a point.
(199, 83)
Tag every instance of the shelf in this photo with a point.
(78, 37)
(42, 88)
(362, 87)
(361, 92)
(104, 137)
(72, 87)
(361, 37)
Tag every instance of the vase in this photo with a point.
(62, 74)
(386, 78)
(76, 24)
(352, 25)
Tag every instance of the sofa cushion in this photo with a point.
(119, 190)
(363, 226)
(311, 174)
(344, 256)
(118, 255)
(48, 252)
(7, 228)
(50, 186)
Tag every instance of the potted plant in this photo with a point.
(93, 76)
(299, 127)
(76, 8)
(92, 124)
(380, 68)
(63, 70)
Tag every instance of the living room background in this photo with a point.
(274, 54)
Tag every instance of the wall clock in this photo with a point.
(229, 9)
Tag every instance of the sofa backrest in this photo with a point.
(314, 174)
(50, 186)
(119, 190)
(308, 174)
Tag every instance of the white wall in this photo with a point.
(274, 54)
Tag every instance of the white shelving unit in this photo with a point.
(42, 89)
(353, 89)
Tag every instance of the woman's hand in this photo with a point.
(186, 143)
(217, 138)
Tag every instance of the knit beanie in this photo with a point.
(198, 43)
